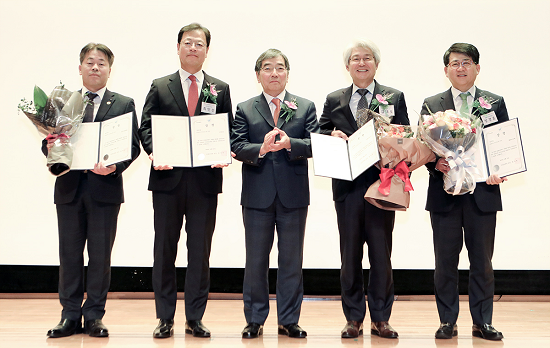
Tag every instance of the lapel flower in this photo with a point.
(288, 109)
(381, 100)
(209, 92)
(483, 105)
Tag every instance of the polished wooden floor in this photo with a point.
(25, 321)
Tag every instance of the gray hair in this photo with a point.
(362, 44)
(271, 53)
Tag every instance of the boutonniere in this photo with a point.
(210, 92)
(289, 109)
(483, 105)
(381, 100)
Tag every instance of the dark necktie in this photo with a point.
(362, 116)
(193, 95)
(89, 111)
(277, 111)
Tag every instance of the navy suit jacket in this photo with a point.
(283, 173)
(487, 197)
(103, 188)
(166, 98)
(337, 115)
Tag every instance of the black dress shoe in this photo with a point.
(446, 331)
(292, 330)
(95, 328)
(164, 329)
(352, 329)
(253, 330)
(486, 331)
(66, 327)
(383, 329)
(196, 328)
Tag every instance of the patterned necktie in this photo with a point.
(277, 103)
(193, 95)
(464, 109)
(362, 116)
(89, 110)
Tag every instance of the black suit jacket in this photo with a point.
(281, 173)
(166, 98)
(487, 197)
(104, 188)
(337, 115)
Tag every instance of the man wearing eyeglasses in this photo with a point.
(360, 222)
(271, 136)
(469, 217)
(184, 192)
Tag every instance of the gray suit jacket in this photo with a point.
(487, 197)
(281, 173)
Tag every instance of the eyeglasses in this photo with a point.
(270, 69)
(358, 59)
(456, 64)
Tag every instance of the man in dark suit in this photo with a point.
(88, 203)
(358, 220)
(271, 136)
(179, 192)
(471, 217)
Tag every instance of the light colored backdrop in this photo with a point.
(40, 45)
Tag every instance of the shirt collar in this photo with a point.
(369, 88)
(269, 98)
(100, 92)
(184, 75)
(456, 93)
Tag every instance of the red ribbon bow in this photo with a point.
(386, 174)
(53, 137)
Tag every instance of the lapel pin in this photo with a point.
(109, 102)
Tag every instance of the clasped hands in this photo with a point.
(443, 166)
(270, 143)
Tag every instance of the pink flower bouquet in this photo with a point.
(454, 136)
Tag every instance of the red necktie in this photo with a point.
(193, 95)
(277, 103)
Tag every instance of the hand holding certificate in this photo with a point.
(342, 159)
(181, 141)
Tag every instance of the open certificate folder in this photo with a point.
(196, 141)
(107, 141)
(501, 151)
(340, 159)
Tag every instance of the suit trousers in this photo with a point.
(464, 224)
(79, 222)
(360, 222)
(259, 225)
(186, 199)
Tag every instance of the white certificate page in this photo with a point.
(504, 149)
(210, 141)
(116, 139)
(171, 141)
(363, 149)
(330, 156)
(85, 145)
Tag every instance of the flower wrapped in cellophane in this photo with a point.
(454, 136)
(57, 117)
(400, 153)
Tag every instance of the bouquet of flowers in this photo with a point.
(58, 118)
(454, 136)
(400, 153)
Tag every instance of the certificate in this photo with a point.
(337, 158)
(501, 150)
(108, 141)
(182, 141)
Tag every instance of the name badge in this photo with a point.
(208, 108)
(489, 118)
(386, 110)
